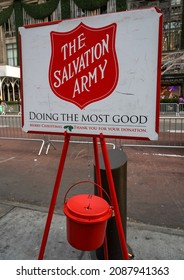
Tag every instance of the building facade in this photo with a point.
(172, 86)
(15, 13)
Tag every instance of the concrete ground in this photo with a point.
(21, 230)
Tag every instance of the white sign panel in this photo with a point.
(93, 75)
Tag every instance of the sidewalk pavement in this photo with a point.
(22, 226)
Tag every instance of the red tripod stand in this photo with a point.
(111, 191)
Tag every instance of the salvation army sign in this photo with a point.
(83, 66)
(93, 75)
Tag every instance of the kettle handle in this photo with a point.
(87, 181)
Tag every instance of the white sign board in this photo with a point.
(93, 75)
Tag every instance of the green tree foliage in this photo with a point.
(90, 5)
(5, 14)
(41, 11)
(121, 5)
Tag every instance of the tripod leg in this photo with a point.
(114, 198)
(54, 196)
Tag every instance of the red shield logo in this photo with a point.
(83, 65)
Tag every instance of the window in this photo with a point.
(175, 2)
(9, 26)
(11, 54)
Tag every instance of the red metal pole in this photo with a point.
(54, 196)
(99, 182)
(114, 198)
